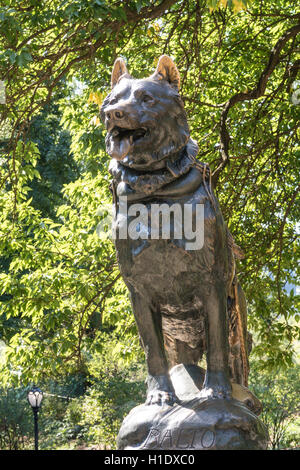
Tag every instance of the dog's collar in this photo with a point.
(148, 183)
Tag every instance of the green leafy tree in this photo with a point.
(279, 394)
(55, 165)
(15, 419)
(62, 291)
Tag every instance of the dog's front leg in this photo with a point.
(160, 390)
(217, 383)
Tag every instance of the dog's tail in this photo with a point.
(242, 333)
(239, 310)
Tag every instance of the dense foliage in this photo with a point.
(279, 393)
(62, 298)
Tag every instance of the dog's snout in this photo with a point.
(114, 114)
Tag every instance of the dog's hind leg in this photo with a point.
(217, 381)
(160, 389)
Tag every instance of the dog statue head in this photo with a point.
(145, 118)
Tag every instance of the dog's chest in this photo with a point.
(171, 251)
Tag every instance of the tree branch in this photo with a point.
(257, 92)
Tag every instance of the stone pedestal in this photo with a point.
(192, 424)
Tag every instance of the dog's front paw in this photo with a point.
(160, 397)
(216, 385)
(213, 393)
(160, 391)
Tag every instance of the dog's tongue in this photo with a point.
(119, 148)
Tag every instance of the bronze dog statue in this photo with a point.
(185, 302)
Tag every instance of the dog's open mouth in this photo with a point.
(132, 134)
(121, 140)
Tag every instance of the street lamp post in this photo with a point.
(35, 396)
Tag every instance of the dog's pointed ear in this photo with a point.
(118, 70)
(167, 70)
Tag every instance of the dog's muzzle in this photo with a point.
(121, 140)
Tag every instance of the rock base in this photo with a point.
(210, 425)
(192, 424)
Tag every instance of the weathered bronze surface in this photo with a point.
(186, 302)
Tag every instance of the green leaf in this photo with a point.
(23, 58)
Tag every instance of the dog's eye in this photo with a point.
(146, 98)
